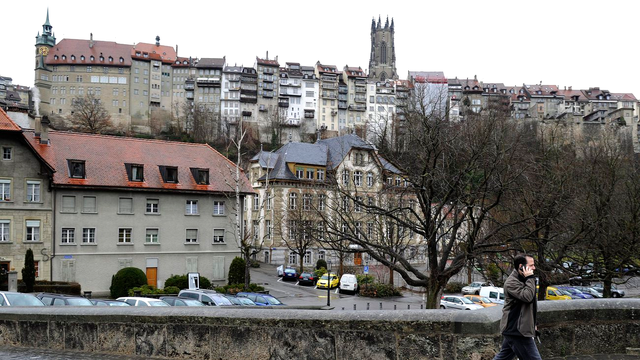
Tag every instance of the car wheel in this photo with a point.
(442, 307)
(615, 295)
(339, 291)
(477, 292)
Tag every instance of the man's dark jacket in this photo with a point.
(520, 306)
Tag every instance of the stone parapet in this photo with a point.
(577, 327)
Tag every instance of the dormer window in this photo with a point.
(82, 57)
(92, 58)
(110, 59)
(135, 172)
(64, 57)
(101, 58)
(201, 176)
(55, 57)
(76, 169)
(73, 58)
(169, 174)
(121, 59)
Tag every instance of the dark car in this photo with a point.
(108, 302)
(290, 274)
(63, 300)
(180, 301)
(307, 279)
(261, 299)
(575, 293)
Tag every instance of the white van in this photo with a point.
(348, 283)
(494, 294)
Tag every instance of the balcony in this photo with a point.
(329, 78)
(268, 94)
(329, 95)
(309, 114)
(211, 81)
(248, 98)
(291, 122)
(189, 85)
(268, 78)
(283, 103)
(262, 108)
(246, 113)
(358, 107)
(342, 105)
(361, 90)
(189, 95)
(332, 86)
(360, 99)
(250, 80)
(232, 120)
(343, 90)
(343, 98)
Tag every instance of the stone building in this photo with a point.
(382, 60)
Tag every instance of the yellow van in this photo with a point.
(555, 294)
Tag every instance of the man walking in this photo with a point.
(518, 323)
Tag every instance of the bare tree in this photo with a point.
(89, 115)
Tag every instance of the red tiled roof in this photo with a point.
(105, 156)
(6, 123)
(624, 97)
(433, 77)
(162, 53)
(267, 62)
(181, 62)
(78, 48)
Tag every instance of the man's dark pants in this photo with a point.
(522, 347)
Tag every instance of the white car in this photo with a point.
(473, 288)
(458, 303)
(142, 301)
(495, 294)
(348, 283)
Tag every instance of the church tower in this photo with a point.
(43, 76)
(382, 62)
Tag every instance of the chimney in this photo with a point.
(38, 127)
(91, 40)
(44, 128)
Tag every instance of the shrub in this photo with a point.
(55, 287)
(454, 287)
(171, 289)
(254, 263)
(378, 290)
(319, 272)
(236, 271)
(126, 279)
(182, 282)
(145, 290)
(233, 289)
(29, 271)
(365, 279)
(320, 264)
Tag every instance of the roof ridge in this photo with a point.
(128, 138)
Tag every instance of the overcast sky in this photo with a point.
(566, 43)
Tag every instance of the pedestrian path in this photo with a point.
(597, 357)
(21, 353)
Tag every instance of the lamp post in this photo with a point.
(329, 284)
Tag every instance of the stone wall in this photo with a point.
(568, 327)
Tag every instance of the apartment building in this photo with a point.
(356, 82)
(230, 103)
(329, 77)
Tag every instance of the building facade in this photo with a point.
(382, 60)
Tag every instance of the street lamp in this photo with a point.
(328, 283)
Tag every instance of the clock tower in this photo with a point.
(43, 75)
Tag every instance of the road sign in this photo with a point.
(366, 269)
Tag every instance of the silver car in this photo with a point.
(458, 302)
(10, 298)
(473, 288)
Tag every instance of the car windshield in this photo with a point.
(191, 302)
(273, 301)
(564, 292)
(221, 300)
(289, 271)
(484, 299)
(158, 303)
(324, 277)
(466, 301)
(23, 300)
(246, 301)
(79, 302)
(118, 303)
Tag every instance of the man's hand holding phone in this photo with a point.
(525, 271)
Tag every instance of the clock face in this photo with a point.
(43, 50)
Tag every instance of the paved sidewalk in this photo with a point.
(597, 357)
(20, 353)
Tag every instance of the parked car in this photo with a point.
(615, 292)
(474, 288)
(142, 301)
(324, 281)
(493, 293)
(10, 298)
(458, 303)
(481, 300)
(207, 297)
(240, 301)
(348, 283)
(307, 278)
(574, 293)
(63, 300)
(261, 299)
(290, 274)
(178, 301)
(589, 290)
(554, 294)
(108, 302)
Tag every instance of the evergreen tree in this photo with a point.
(29, 271)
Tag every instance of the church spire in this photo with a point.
(386, 25)
(379, 22)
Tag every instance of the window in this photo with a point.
(89, 204)
(293, 258)
(292, 229)
(398, 181)
(293, 201)
(300, 173)
(124, 236)
(345, 203)
(76, 169)
(5, 230)
(369, 179)
(218, 208)
(152, 236)
(267, 225)
(357, 178)
(321, 202)
(192, 236)
(321, 254)
(89, 236)
(153, 206)
(357, 204)
(268, 204)
(7, 153)
(5, 190)
(359, 159)
(320, 175)
(125, 206)
(192, 207)
(310, 174)
(345, 177)
(68, 203)
(218, 236)
(201, 176)
(68, 236)
(307, 257)
(306, 202)
(169, 174)
(33, 230)
(256, 202)
(135, 172)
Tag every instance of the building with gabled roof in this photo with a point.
(164, 207)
